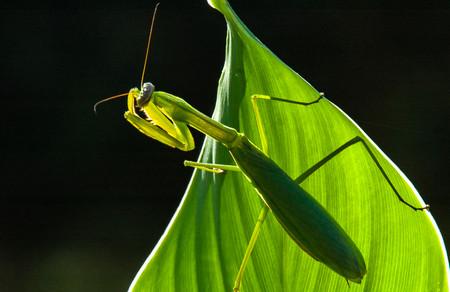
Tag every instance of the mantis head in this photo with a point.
(139, 98)
(145, 94)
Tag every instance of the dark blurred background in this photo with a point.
(85, 197)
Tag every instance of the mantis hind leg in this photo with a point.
(351, 142)
(344, 146)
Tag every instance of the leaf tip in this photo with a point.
(218, 4)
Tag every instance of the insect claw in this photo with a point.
(426, 207)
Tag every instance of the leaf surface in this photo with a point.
(202, 248)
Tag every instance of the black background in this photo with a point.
(84, 198)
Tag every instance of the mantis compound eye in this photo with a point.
(146, 93)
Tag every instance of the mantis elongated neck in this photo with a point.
(181, 111)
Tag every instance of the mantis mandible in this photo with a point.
(167, 118)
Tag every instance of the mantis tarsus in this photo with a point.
(166, 118)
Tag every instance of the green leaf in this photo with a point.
(203, 246)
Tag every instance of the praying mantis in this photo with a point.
(166, 118)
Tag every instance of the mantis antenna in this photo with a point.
(108, 99)
(145, 63)
(148, 44)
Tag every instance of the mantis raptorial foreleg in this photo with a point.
(153, 131)
(171, 132)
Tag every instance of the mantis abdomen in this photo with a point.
(301, 216)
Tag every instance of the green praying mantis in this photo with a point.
(167, 118)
